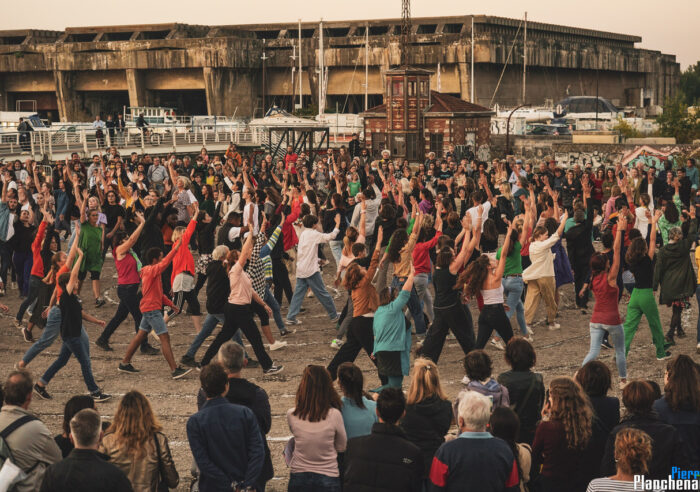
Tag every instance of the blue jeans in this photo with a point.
(48, 335)
(617, 334)
(420, 283)
(336, 250)
(513, 288)
(415, 306)
(73, 346)
(315, 283)
(313, 482)
(208, 326)
(270, 300)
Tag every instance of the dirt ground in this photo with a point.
(558, 353)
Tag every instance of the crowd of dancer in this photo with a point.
(252, 233)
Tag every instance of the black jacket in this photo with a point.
(528, 410)
(579, 242)
(425, 425)
(667, 449)
(83, 470)
(354, 148)
(383, 461)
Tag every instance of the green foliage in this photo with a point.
(678, 122)
(690, 85)
(625, 129)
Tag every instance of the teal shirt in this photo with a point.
(390, 333)
(358, 421)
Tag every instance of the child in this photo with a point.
(392, 335)
(478, 366)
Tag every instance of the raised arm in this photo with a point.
(652, 234)
(617, 246)
(467, 245)
(363, 218)
(73, 281)
(502, 261)
(246, 250)
(123, 248)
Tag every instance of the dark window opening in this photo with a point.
(360, 31)
(436, 141)
(117, 36)
(154, 34)
(81, 38)
(267, 34)
(378, 30)
(452, 28)
(337, 32)
(12, 39)
(426, 29)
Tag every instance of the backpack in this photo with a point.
(6, 452)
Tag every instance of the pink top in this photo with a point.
(127, 270)
(317, 444)
(241, 286)
(346, 260)
(605, 310)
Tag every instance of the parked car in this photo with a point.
(553, 130)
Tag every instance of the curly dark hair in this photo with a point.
(637, 251)
(353, 276)
(594, 377)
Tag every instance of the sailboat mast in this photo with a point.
(472, 76)
(321, 73)
(366, 66)
(300, 82)
(525, 60)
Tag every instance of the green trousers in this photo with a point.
(642, 302)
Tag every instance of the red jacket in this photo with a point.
(183, 261)
(421, 256)
(152, 286)
(38, 265)
(289, 235)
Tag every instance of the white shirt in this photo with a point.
(246, 216)
(234, 233)
(542, 259)
(474, 213)
(372, 212)
(307, 250)
(642, 223)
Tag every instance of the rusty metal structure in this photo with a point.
(73, 74)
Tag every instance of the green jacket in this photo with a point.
(674, 269)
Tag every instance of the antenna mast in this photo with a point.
(405, 30)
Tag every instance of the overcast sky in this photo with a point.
(670, 26)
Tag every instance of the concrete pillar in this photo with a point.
(68, 106)
(138, 94)
(3, 96)
(464, 72)
(229, 91)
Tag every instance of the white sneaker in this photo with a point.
(553, 326)
(697, 349)
(277, 345)
(529, 330)
(465, 380)
(498, 343)
(530, 338)
(336, 344)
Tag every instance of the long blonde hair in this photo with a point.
(425, 382)
(506, 191)
(134, 423)
(177, 233)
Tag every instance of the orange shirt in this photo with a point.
(61, 271)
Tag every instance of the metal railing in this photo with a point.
(59, 143)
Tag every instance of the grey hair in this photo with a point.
(219, 252)
(85, 427)
(232, 357)
(475, 410)
(675, 234)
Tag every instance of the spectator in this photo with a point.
(595, 379)
(505, 425)
(563, 437)
(318, 432)
(525, 388)
(477, 460)
(478, 366)
(633, 453)
(680, 405)
(32, 447)
(73, 406)
(384, 460)
(231, 357)
(428, 411)
(224, 438)
(359, 413)
(668, 450)
(85, 467)
(135, 443)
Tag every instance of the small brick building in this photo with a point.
(421, 120)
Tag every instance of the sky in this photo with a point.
(670, 26)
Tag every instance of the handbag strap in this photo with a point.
(161, 472)
(525, 399)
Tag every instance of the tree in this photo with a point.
(690, 85)
(676, 121)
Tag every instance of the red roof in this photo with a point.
(444, 103)
(441, 103)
